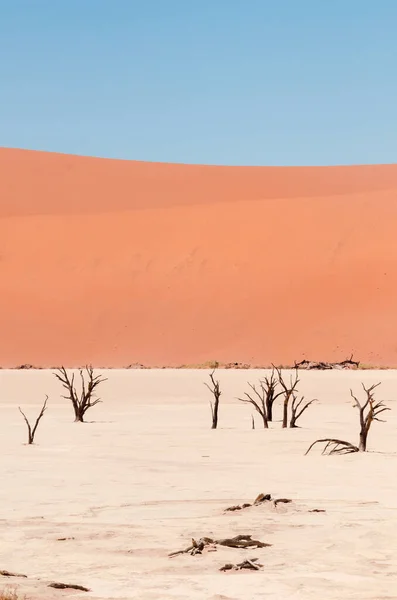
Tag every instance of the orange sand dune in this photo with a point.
(115, 262)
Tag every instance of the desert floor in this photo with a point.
(148, 474)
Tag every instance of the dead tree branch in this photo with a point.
(349, 363)
(216, 392)
(239, 541)
(87, 397)
(298, 407)
(246, 564)
(68, 586)
(242, 541)
(258, 401)
(262, 399)
(32, 431)
(270, 386)
(334, 446)
(288, 391)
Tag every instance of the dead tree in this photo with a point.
(87, 397)
(270, 384)
(32, 432)
(298, 407)
(368, 412)
(258, 401)
(288, 392)
(216, 392)
(373, 408)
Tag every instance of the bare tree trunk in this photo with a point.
(269, 409)
(215, 409)
(79, 417)
(285, 412)
(216, 392)
(363, 441)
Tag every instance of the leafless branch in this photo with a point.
(298, 407)
(32, 431)
(288, 391)
(335, 446)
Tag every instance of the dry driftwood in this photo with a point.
(251, 564)
(67, 586)
(282, 501)
(262, 498)
(258, 500)
(196, 547)
(238, 507)
(334, 446)
(242, 541)
(239, 541)
(9, 574)
(344, 364)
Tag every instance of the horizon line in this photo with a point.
(207, 165)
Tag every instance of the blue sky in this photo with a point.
(250, 82)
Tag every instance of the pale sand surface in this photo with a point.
(116, 262)
(149, 474)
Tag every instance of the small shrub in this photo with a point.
(10, 593)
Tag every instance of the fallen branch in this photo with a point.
(282, 501)
(238, 507)
(66, 586)
(344, 364)
(258, 500)
(262, 498)
(334, 446)
(242, 541)
(196, 547)
(9, 574)
(251, 564)
(239, 541)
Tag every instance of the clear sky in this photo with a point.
(260, 82)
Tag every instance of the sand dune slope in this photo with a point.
(116, 262)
